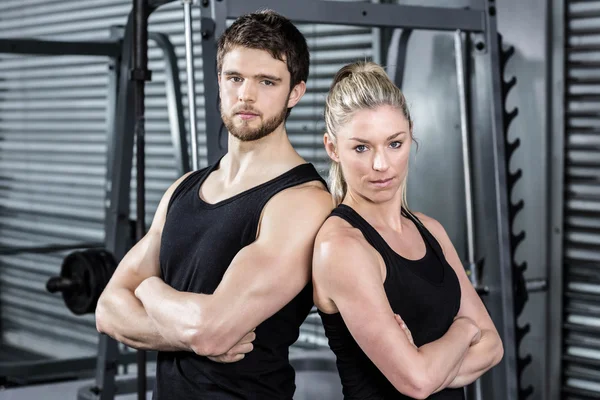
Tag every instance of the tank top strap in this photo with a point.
(298, 175)
(431, 240)
(348, 214)
(190, 182)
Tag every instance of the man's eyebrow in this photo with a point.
(257, 76)
(269, 77)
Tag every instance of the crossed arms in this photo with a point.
(140, 310)
(352, 280)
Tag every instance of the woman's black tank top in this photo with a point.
(425, 293)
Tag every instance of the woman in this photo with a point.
(399, 311)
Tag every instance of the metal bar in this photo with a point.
(366, 14)
(210, 21)
(50, 248)
(59, 48)
(174, 104)
(505, 374)
(140, 74)
(191, 81)
(490, 203)
(396, 60)
(473, 391)
(461, 74)
(583, 14)
(118, 178)
(38, 370)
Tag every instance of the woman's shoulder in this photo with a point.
(433, 226)
(336, 230)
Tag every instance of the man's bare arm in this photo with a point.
(262, 278)
(119, 313)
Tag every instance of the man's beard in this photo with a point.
(244, 133)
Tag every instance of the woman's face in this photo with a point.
(373, 150)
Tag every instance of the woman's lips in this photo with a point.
(382, 183)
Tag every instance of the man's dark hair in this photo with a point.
(272, 32)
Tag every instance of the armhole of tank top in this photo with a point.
(373, 238)
(428, 236)
(286, 185)
(183, 186)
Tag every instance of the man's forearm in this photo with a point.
(120, 315)
(176, 315)
(479, 359)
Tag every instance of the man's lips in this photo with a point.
(246, 114)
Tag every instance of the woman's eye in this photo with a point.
(361, 148)
(395, 145)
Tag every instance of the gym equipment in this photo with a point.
(519, 285)
(191, 81)
(489, 168)
(83, 277)
(139, 75)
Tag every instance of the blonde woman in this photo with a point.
(398, 309)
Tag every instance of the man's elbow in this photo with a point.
(206, 339)
(102, 316)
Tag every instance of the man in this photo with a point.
(221, 282)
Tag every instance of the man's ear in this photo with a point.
(330, 148)
(296, 94)
(219, 83)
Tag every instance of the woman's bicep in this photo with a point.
(359, 295)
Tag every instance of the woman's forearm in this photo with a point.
(479, 359)
(445, 355)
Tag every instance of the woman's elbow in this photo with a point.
(498, 353)
(417, 386)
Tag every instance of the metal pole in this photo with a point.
(473, 391)
(189, 58)
(139, 75)
(464, 128)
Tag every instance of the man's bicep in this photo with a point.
(142, 260)
(269, 273)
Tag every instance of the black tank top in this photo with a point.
(199, 241)
(425, 293)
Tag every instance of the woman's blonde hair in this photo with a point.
(359, 86)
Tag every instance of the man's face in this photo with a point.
(255, 93)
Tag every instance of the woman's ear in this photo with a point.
(330, 148)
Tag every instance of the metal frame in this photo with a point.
(59, 48)
(174, 103)
(109, 49)
(555, 124)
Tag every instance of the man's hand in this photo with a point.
(238, 351)
(405, 329)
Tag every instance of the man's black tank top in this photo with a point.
(425, 293)
(199, 241)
